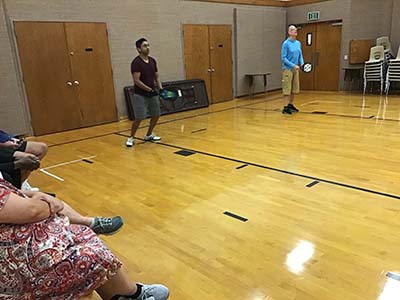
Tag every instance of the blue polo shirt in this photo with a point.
(291, 54)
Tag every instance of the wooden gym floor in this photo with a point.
(334, 240)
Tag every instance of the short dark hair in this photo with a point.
(139, 42)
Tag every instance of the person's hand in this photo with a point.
(10, 144)
(153, 93)
(55, 205)
(26, 162)
(18, 141)
(296, 68)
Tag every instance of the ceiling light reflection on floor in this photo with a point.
(296, 259)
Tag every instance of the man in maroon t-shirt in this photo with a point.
(146, 101)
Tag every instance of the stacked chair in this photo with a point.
(387, 46)
(393, 73)
(375, 67)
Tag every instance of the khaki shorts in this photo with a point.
(290, 82)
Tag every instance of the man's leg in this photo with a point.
(286, 100)
(287, 79)
(153, 107)
(140, 111)
(135, 127)
(153, 123)
(24, 173)
(36, 148)
(291, 99)
(295, 91)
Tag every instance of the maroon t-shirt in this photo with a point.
(147, 73)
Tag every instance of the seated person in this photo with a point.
(36, 148)
(19, 148)
(100, 225)
(44, 257)
(17, 167)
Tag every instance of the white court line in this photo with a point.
(69, 162)
(51, 175)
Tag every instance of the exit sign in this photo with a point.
(313, 15)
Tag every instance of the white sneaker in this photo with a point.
(130, 142)
(149, 292)
(154, 292)
(151, 138)
(27, 187)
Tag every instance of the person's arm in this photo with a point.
(19, 210)
(12, 144)
(158, 81)
(284, 55)
(301, 56)
(6, 140)
(139, 83)
(56, 205)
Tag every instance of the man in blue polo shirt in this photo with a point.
(292, 60)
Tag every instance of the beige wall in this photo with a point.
(260, 33)
(12, 111)
(159, 21)
(370, 18)
(395, 28)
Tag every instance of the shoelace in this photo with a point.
(105, 222)
(145, 296)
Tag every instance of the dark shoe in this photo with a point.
(292, 108)
(286, 111)
(107, 226)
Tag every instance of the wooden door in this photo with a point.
(197, 56)
(92, 73)
(221, 62)
(307, 35)
(46, 71)
(327, 59)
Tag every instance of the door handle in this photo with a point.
(76, 82)
(209, 71)
(69, 83)
(212, 70)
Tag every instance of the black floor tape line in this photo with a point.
(235, 216)
(345, 185)
(241, 167)
(315, 182)
(199, 130)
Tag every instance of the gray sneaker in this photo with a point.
(154, 292)
(149, 292)
(151, 138)
(107, 226)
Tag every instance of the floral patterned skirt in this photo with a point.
(52, 260)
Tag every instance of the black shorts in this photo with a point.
(22, 148)
(13, 177)
(8, 153)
